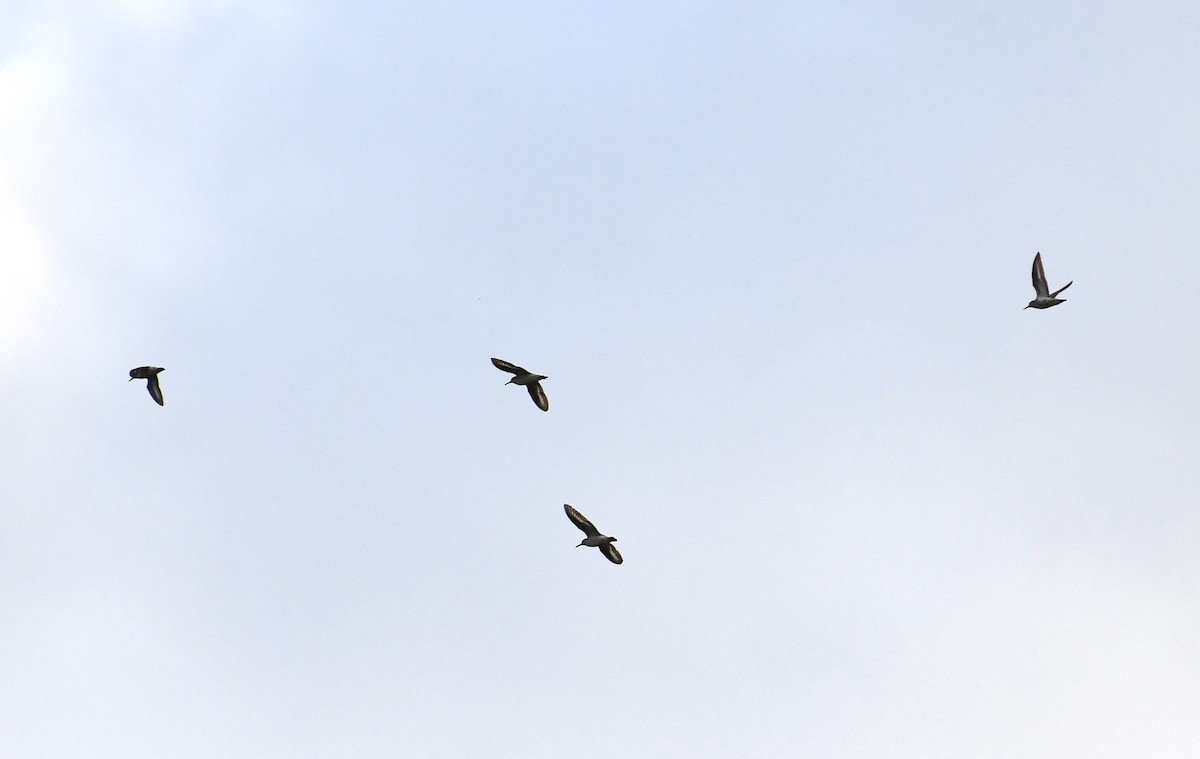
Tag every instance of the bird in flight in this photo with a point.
(150, 374)
(593, 537)
(1045, 298)
(531, 381)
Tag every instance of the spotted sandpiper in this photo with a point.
(593, 537)
(1045, 298)
(150, 374)
(531, 381)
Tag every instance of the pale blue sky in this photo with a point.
(773, 260)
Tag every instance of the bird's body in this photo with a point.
(531, 381)
(592, 537)
(1045, 298)
(150, 374)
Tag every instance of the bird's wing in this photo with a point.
(580, 521)
(1039, 278)
(611, 553)
(155, 390)
(1059, 290)
(504, 366)
(538, 395)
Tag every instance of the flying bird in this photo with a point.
(1045, 298)
(150, 374)
(531, 381)
(593, 537)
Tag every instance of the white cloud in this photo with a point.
(152, 15)
(31, 83)
(50, 152)
(1083, 658)
(27, 275)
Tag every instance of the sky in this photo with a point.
(773, 258)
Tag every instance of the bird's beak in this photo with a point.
(131, 379)
(1024, 308)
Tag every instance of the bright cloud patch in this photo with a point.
(152, 15)
(26, 275)
(28, 83)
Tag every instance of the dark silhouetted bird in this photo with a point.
(593, 537)
(531, 381)
(150, 374)
(1045, 298)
